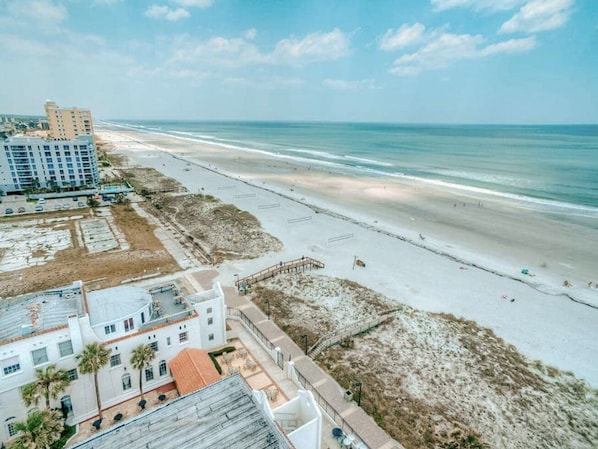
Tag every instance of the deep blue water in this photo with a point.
(549, 163)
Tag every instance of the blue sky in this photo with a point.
(428, 61)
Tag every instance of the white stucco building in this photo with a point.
(52, 327)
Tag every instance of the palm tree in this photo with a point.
(41, 430)
(91, 360)
(49, 384)
(141, 357)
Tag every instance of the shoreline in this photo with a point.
(448, 292)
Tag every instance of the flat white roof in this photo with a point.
(117, 302)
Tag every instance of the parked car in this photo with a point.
(39, 208)
(41, 201)
(66, 206)
(8, 211)
(75, 198)
(80, 204)
(21, 210)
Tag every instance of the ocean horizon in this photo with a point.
(552, 166)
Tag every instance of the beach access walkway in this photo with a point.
(292, 369)
(296, 265)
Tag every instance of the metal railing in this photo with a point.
(278, 268)
(301, 379)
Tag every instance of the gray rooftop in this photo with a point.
(27, 314)
(223, 414)
(113, 303)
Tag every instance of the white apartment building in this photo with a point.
(53, 326)
(33, 162)
(68, 123)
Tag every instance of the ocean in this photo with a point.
(552, 166)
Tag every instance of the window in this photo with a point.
(210, 337)
(210, 321)
(167, 341)
(209, 310)
(149, 374)
(126, 379)
(111, 328)
(39, 356)
(11, 428)
(154, 346)
(183, 337)
(115, 360)
(162, 368)
(129, 325)
(65, 348)
(11, 365)
(72, 374)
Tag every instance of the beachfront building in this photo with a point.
(224, 414)
(52, 327)
(68, 123)
(28, 163)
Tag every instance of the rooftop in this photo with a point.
(24, 315)
(116, 302)
(223, 414)
(192, 369)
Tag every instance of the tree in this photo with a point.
(91, 360)
(49, 383)
(41, 430)
(141, 357)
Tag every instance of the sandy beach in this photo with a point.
(427, 246)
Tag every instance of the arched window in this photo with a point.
(126, 381)
(10, 425)
(163, 369)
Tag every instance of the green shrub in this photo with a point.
(215, 354)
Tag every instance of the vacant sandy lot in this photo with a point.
(62, 256)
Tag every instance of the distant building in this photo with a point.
(33, 163)
(65, 123)
(53, 326)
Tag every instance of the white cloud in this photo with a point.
(39, 10)
(250, 34)
(350, 84)
(218, 51)
(510, 46)
(404, 36)
(195, 3)
(313, 47)
(165, 12)
(448, 49)
(539, 15)
(237, 52)
(492, 5)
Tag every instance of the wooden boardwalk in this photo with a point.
(348, 331)
(296, 265)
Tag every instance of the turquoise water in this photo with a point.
(552, 164)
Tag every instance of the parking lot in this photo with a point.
(17, 204)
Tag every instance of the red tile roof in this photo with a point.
(192, 369)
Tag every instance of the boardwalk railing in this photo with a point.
(348, 331)
(282, 267)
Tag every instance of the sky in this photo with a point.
(409, 61)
